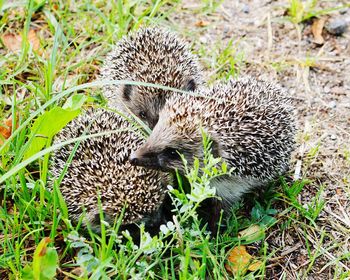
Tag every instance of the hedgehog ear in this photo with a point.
(190, 85)
(127, 91)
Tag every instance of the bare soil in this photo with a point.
(318, 77)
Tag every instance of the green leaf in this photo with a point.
(268, 221)
(27, 273)
(61, 201)
(196, 164)
(224, 167)
(38, 253)
(49, 264)
(75, 102)
(39, 4)
(45, 263)
(47, 125)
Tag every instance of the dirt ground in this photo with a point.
(318, 76)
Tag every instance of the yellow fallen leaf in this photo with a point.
(13, 42)
(202, 23)
(239, 260)
(255, 265)
(317, 28)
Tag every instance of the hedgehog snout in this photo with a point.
(140, 158)
(133, 159)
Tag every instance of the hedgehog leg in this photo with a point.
(209, 212)
(162, 215)
(213, 223)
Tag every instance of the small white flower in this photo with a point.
(184, 208)
(170, 225)
(30, 186)
(126, 233)
(195, 233)
(164, 229)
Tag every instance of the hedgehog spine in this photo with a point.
(250, 122)
(100, 165)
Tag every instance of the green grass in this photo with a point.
(34, 85)
(226, 61)
(210, 6)
(300, 11)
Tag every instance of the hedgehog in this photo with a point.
(250, 122)
(150, 55)
(101, 167)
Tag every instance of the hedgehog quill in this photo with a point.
(151, 55)
(100, 167)
(252, 127)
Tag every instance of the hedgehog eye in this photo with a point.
(190, 85)
(143, 115)
(171, 153)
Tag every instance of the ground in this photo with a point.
(310, 239)
(318, 78)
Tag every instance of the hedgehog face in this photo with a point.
(165, 158)
(154, 56)
(169, 141)
(168, 155)
(159, 152)
(147, 102)
(137, 100)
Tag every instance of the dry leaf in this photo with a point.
(254, 266)
(339, 191)
(14, 41)
(5, 133)
(251, 233)
(239, 260)
(202, 23)
(317, 27)
(78, 271)
(5, 130)
(33, 39)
